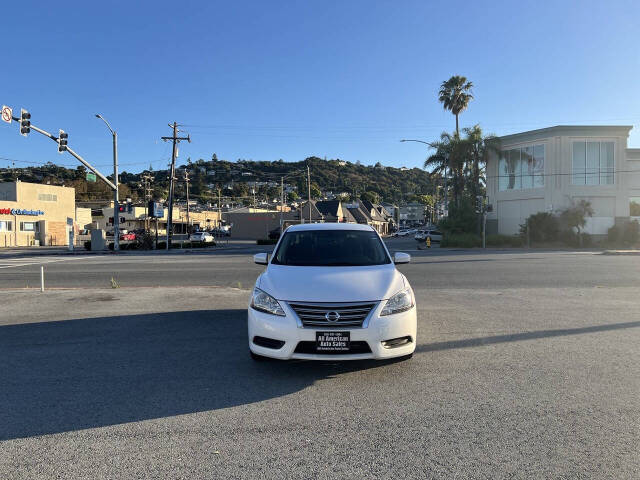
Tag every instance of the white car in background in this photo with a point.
(434, 235)
(331, 291)
(205, 237)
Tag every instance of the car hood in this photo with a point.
(331, 284)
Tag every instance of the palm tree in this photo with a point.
(450, 153)
(479, 148)
(455, 95)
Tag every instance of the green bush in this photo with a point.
(461, 220)
(631, 232)
(87, 245)
(614, 234)
(266, 241)
(144, 241)
(461, 240)
(542, 226)
(504, 241)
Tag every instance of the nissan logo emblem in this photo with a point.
(332, 316)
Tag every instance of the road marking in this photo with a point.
(9, 263)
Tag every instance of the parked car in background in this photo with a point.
(434, 235)
(128, 237)
(331, 291)
(221, 232)
(403, 232)
(205, 237)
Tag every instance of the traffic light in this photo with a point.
(25, 122)
(479, 203)
(121, 208)
(129, 207)
(62, 141)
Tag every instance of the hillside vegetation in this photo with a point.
(235, 179)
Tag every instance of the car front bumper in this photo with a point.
(378, 330)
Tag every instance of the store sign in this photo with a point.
(20, 211)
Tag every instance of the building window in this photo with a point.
(592, 163)
(29, 227)
(521, 168)
(47, 197)
(634, 206)
(6, 226)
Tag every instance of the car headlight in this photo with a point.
(400, 302)
(263, 302)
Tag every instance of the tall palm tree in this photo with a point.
(455, 95)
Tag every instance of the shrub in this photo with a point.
(462, 219)
(87, 245)
(266, 241)
(144, 241)
(631, 232)
(504, 241)
(614, 234)
(461, 240)
(542, 226)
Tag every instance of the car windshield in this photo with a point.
(331, 248)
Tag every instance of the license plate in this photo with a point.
(333, 341)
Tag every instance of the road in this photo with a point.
(526, 367)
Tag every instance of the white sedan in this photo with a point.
(434, 235)
(205, 237)
(331, 291)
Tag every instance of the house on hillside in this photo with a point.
(366, 213)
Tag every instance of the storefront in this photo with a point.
(33, 214)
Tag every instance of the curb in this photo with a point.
(621, 252)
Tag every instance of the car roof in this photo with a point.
(330, 226)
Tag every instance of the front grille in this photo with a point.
(332, 314)
(357, 346)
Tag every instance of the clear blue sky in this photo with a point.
(347, 79)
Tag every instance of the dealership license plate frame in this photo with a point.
(340, 341)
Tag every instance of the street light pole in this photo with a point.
(116, 206)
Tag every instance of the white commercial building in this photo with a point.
(547, 170)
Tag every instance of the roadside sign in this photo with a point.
(91, 177)
(7, 113)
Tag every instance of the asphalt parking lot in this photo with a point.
(526, 367)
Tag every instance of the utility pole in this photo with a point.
(309, 190)
(219, 210)
(281, 201)
(186, 180)
(147, 197)
(175, 139)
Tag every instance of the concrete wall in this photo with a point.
(610, 202)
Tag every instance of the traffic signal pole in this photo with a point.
(74, 154)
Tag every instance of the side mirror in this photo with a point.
(261, 258)
(400, 257)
